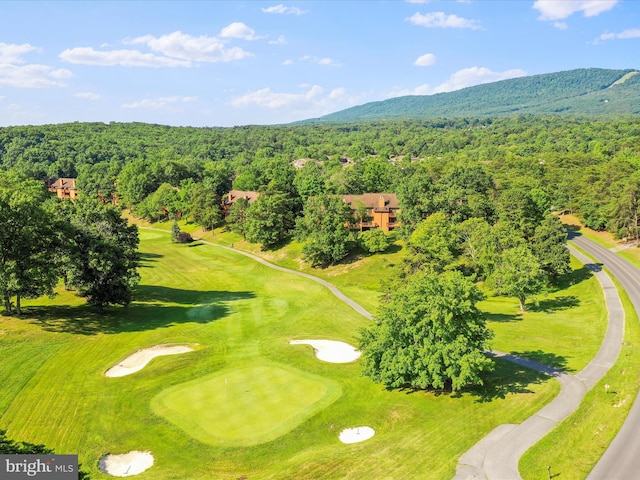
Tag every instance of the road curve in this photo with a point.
(621, 460)
(497, 455)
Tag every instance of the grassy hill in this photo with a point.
(591, 91)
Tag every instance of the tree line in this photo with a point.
(84, 244)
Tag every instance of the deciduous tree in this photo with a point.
(428, 333)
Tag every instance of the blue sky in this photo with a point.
(217, 63)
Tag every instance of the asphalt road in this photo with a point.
(497, 455)
(621, 460)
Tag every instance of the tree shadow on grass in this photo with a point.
(151, 311)
(575, 277)
(556, 304)
(507, 379)
(146, 259)
(503, 317)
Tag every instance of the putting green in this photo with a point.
(245, 406)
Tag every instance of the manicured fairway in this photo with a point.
(245, 406)
(242, 315)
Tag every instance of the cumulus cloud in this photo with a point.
(467, 77)
(311, 101)
(15, 73)
(32, 76)
(238, 30)
(626, 34)
(561, 9)
(442, 20)
(158, 103)
(12, 53)
(126, 58)
(425, 60)
(284, 10)
(194, 49)
(287, 62)
(320, 60)
(87, 95)
(279, 41)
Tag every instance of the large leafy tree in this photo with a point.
(269, 219)
(103, 259)
(428, 333)
(431, 247)
(517, 274)
(549, 245)
(28, 241)
(324, 227)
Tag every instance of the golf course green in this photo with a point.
(245, 406)
(245, 403)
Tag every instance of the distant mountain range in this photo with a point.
(582, 92)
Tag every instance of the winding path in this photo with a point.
(622, 459)
(497, 455)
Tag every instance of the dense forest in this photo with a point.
(583, 165)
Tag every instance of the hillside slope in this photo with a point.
(591, 91)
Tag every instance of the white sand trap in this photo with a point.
(127, 464)
(331, 351)
(139, 359)
(355, 435)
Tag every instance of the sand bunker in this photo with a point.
(127, 464)
(355, 435)
(139, 359)
(331, 351)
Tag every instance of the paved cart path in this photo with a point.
(497, 455)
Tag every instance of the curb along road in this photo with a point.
(497, 455)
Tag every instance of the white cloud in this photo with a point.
(2, 97)
(32, 76)
(283, 10)
(238, 30)
(425, 60)
(311, 101)
(320, 60)
(87, 95)
(287, 62)
(467, 77)
(193, 49)
(442, 20)
(279, 41)
(158, 103)
(560, 25)
(126, 58)
(626, 34)
(12, 53)
(561, 9)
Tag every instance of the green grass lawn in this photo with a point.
(563, 328)
(246, 405)
(574, 447)
(241, 315)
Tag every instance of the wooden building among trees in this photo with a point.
(375, 210)
(64, 188)
(233, 196)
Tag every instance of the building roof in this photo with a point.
(373, 200)
(65, 183)
(234, 195)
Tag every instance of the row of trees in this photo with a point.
(583, 165)
(85, 244)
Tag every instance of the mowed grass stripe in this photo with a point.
(245, 406)
(241, 314)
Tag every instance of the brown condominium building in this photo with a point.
(64, 188)
(233, 196)
(381, 210)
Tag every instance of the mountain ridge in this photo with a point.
(580, 92)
